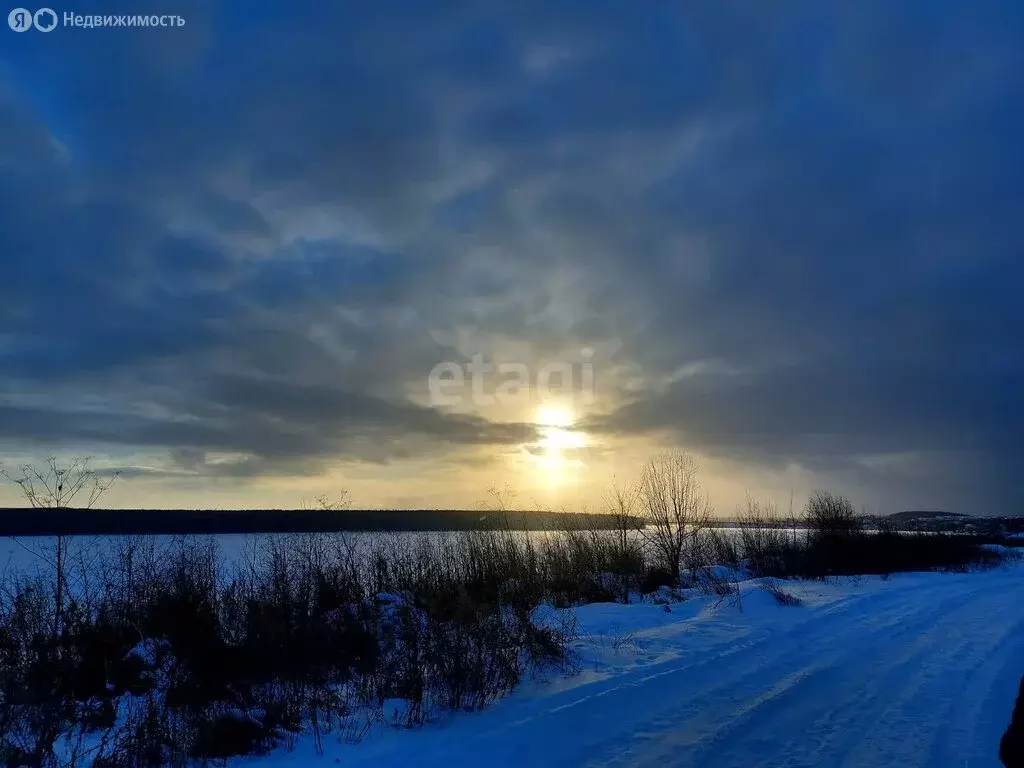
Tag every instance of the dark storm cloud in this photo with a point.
(277, 427)
(862, 251)
(247, 234)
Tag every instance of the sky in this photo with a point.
(250, 259)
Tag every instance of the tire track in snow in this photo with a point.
(614, 717)
(859, 702)
(775, 698)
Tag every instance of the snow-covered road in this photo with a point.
(920, 670)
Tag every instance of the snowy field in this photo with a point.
(917, 670)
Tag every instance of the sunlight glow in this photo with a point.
(557, 442)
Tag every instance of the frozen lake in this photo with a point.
(34, 555)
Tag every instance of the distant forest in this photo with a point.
(16, 521)
(83, 522)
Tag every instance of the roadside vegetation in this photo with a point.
(165, 652)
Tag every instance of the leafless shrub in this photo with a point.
(301, 634)
(323, 502)
(725, 548)
(621, 503)
(830, 515)
(718, 585)
(763, 541)
(782, 597)
(626, 642)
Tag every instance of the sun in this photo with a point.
(558, 441)
(554, 416)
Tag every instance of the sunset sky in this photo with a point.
(784, 236)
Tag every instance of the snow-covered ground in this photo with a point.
(918, 670)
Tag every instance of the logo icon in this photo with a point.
(45, 20)
(20, 20)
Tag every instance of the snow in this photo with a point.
(915, 670)
(397, 711)
(149, 652)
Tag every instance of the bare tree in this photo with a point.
(622, 502)
(55, 486)
(676, 508)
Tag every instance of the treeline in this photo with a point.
(952, 523)
(142, 522)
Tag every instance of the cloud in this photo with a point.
(796, 225)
